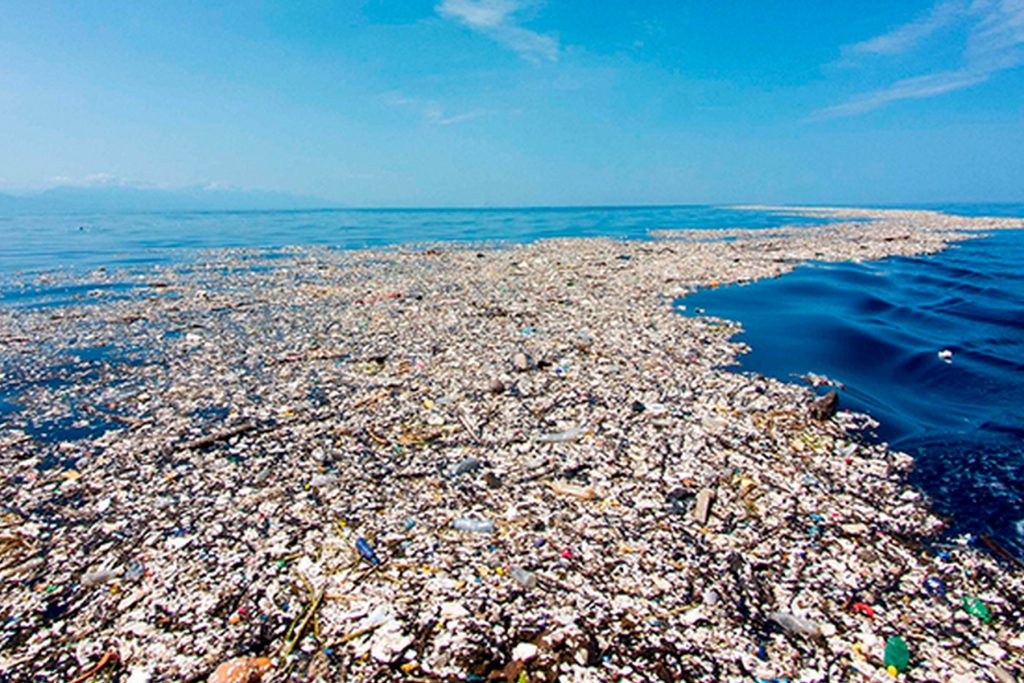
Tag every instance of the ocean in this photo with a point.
(931, 346)
(78, 242)
(876, 327)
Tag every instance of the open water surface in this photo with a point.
(878, 327)
(40, 242)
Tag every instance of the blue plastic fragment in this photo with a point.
(935, 586)
(367, 552)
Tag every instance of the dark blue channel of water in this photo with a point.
(879, 328)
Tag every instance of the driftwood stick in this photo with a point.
(210, 439)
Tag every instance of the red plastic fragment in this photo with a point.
(865, 608)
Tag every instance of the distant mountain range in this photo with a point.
(128, 198)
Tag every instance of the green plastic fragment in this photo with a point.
(976, 608)
(523, 678)
(897, 654)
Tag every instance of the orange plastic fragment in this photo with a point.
(241, 670)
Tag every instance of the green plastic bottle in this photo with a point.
(976, 608)
(897, 654)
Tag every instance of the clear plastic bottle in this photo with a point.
(795, 624)
(476, 526)
(568, 435)
(523, 577)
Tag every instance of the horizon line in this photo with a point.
(523, 207)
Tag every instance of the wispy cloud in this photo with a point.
(904, 38)
(498, 20)
(918, 87)
(994, 42)
(997, 40)
(460, 118)
(431, 111)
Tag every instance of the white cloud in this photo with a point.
(907, 36)
(994, 43)
(431, 111)
(459, 118)
(218, 187)
(918, 87)
(998, 37)
(497, 20)
(481, 14)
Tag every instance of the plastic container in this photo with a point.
(471, 525)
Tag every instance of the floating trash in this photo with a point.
(555, 505)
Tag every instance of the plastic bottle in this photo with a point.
(563, 437)
(976, 608)
(935, 586)
(467, 465)
(367, 552)
(897, 654)
(524, 578)
(476, 526)
(795, 624)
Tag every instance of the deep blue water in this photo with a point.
(878, 328)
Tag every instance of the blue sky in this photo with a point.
(517, 102)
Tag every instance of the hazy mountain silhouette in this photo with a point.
(128, 198)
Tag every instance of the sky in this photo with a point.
(520, 102)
